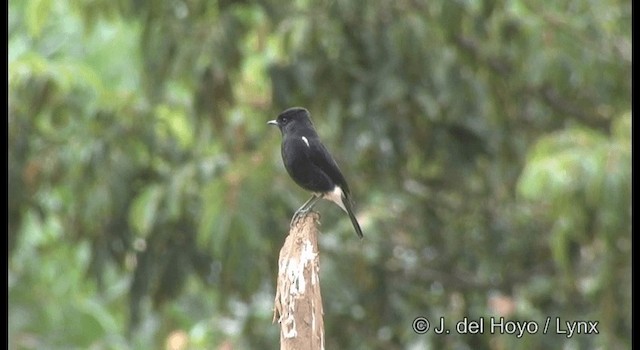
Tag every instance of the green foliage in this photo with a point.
(147, 200)
(579, 181)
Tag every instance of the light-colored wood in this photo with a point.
(298, 302)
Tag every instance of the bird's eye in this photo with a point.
(284, 120)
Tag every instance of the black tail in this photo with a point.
(347, 204)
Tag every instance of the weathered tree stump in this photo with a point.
(298, 302)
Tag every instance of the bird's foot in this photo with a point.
(304, 209)
(300, 213)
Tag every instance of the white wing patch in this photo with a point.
(305, 141)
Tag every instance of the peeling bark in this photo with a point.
(298, 302)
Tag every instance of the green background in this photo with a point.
(487, 145)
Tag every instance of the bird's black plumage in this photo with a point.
(309, 163)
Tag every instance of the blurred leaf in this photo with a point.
(216, 217)
(37, 14)
(561, 164)
(175, 122)
(145, 208)
(622, 128)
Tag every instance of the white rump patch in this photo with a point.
(305, 141)
(336, 197)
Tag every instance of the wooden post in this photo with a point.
(298, 303)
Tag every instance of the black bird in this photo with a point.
(310, 165)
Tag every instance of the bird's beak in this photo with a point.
(272, 122)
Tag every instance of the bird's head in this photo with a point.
(292, 119)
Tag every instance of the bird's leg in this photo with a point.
(307, 205)
(305, 208)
